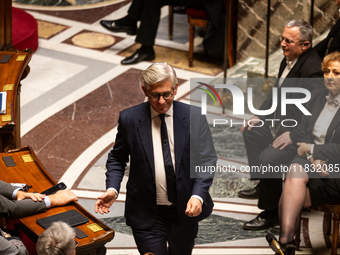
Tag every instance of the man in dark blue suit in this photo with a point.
(161, 212)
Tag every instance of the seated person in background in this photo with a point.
(318, 141)
(58, 239)
(14, 203)
(148, 13)
(11, 245)
(332, 42)
(271, 145)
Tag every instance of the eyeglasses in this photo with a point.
(76, 244)
(156, 97)
(287, 41)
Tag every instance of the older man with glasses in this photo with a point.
(163, 139)
(270, 145)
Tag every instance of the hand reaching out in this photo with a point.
(105, 201)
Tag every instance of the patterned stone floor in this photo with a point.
(70, 104)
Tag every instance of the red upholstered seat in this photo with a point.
(197, 13)
(24, 30)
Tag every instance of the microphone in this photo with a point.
(273, 243)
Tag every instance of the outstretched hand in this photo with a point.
(105, 201)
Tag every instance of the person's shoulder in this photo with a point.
(312, 56)
(311, 64)
(136, 109)
(186, 109)
(319, 93)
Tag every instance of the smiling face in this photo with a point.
(291, 45)
(332, 77)
(161, 105)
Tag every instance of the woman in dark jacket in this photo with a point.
(313, 175)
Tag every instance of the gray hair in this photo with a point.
(306, 30)
(159, 72)
(58, 239)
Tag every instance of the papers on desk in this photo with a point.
(3, 98)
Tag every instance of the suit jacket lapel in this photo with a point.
(316, 113)
(181, 124)
(145, 135)
(332, 126)
(282, 67)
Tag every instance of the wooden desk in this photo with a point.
(34, 174)
(11, 73)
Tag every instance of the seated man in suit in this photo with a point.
(163, 202)
(272, 145)
(148, 13)
(15, 203)
(332, 42)
(58, 239)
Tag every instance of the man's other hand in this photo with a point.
(105, 201)
(194, 207)
(253, 120)
(282, 141)
(34, 196)
(62, 197)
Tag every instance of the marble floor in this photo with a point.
(70, 104)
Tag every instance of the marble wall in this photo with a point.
(252, 22)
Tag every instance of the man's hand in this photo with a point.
(62, 197)
(254, 121)
(282, 141)
(105, 201)
(194, 207)
(34, 196)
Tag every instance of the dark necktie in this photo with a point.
(169, 168)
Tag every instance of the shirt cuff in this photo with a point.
(47, 202)
(311, 149)
(198, 197)
(14, 195)
(114, 190)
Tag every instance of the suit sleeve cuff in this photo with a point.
(114, 190)
(47, 202)
(198, 197)
(14, 194)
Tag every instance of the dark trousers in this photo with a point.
(148, 12)
(167, 235)
(261, 154)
